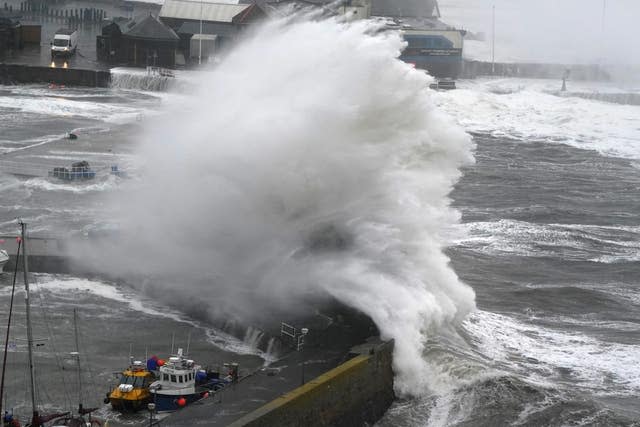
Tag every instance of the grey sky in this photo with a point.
(554, 30)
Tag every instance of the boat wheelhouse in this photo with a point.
(181, 382)
(132, 393)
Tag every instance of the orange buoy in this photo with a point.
(182, 402)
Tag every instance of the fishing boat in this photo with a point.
(78, 171)
(4, 259)
(59, 419)
(132, 393)
(182, 382)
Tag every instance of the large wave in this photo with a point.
(311, 162)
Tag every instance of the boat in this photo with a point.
(59, 419)
(4, 259)
(181, 382)
(132, 392)
(78, 171)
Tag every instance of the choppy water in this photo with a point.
(547, 239)
(549, 242)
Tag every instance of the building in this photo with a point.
(431, 45)
(10, 32)
(140, 42)
(204, 19)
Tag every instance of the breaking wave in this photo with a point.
(324, 175)
(530, 110)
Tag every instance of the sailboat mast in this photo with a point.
(6, 342)
(75, 330)
(35, 421)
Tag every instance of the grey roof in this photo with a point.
(217, 28)
(151, 28)
(408, 8)
(206, 10)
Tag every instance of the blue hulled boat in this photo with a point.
(182, 382)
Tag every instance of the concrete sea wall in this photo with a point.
(18, 73)
(473, 69)
(356, 393)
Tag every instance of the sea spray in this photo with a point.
(310, 162)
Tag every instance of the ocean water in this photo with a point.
(503, 262)
(548, 241)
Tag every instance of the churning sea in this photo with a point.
(549, 239)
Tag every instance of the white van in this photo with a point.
(65, 42)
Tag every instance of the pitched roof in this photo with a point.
(151, 28)
(205, 10)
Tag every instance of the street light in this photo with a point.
(200, 38)
(304, 332)
(493, 41)
(151, 407)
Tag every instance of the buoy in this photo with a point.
(205, 395)
(160, 362)
(182, 402)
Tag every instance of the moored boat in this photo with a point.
(182, 382)
(4, 258)
(132, 393)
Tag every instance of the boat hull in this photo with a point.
(4, 259)
(169, 403)
(129, 405)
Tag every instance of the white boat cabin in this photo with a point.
(176, 376)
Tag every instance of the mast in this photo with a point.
(75, 331)
(35, 419)
(6, 342)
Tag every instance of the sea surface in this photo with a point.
(548, 238)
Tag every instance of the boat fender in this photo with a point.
(181, 402)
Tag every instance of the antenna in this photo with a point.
(173, 338)
(188, 342)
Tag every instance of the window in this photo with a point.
(173, 379)
(180, 378)
(165, 377)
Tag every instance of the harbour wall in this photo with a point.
(356, 393)
(473, 69)
(20, 74)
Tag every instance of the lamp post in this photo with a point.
(493, 41)
(151, 407)
(200, 38)
(304, 332)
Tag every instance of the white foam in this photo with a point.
(576, 242)
(540, 353)
(63, 107)
(525, 110)
(79, 187)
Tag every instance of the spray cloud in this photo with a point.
(311, 162)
